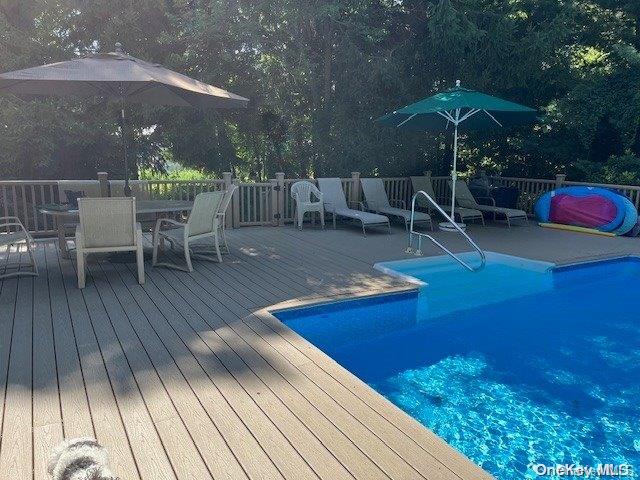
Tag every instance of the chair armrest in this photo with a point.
(10, 219)
(492, 200)
(398, 204)
(78, 238)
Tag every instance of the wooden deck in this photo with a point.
(190, 377)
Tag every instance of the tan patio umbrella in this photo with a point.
(118, 76)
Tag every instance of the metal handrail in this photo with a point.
(483, 258)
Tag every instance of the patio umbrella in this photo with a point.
(122, 77)
(462, 110)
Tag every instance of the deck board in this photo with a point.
(190, 376)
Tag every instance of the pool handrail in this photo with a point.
(418, 251)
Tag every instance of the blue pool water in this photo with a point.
(518, 365)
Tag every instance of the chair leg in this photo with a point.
(81, 268)
(34, 265)
(187, 256)
(140, 261)
(322, 218)
(389, 225)
(217, 244)
(363, 230)
(224, 239)
(156, 244)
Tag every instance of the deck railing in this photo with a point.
(263, 203)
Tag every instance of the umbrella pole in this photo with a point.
(123, 135)
(454, 171)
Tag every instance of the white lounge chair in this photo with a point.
(424, 184)
(302, 192)
(203, 223)
(13, 232)
(376, 200)
(108, 225)
(465, 199)
(336, 204)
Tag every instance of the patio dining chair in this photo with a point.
(13, 232)
(203, 224)
(304, 192)
(107, 225)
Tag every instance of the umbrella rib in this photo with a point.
(492, 117)
(406, 120)
(446, 115)
(469, 114)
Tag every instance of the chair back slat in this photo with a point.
(203, 215)
(423, 183)
(374, 193)
(332, 192)
(464, 197)
(303, 190)
(107, 222)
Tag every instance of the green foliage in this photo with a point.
(319, 72)
(182, 173)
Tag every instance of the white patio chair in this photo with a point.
(13, 232)
(336, 204)
(465, 198)
(463, 214)
(203, 223)
(377, 200)
(222, 214)
(303, 192)
(107, 225)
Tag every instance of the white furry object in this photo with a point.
(80, 459)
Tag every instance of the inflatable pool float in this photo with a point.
(587, 207)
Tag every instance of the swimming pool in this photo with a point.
(519, 365)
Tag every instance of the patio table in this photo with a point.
(65, 213)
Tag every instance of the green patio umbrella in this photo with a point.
(459, 109)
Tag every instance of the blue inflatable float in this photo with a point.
(589, 207)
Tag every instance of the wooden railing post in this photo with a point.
(103, 178)
(228, 181)
(280, 193)
(560, 179)
(355, 187)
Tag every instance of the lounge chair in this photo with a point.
(465, 199)
(108, 225)
(424, 184)
(303, 192)
(203, 223)
(13, 232)
(336, 204)
(376, 200)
